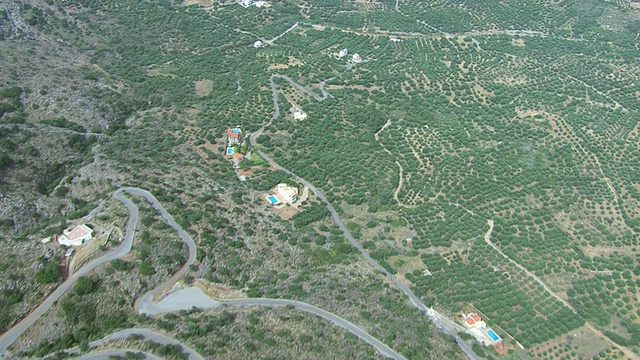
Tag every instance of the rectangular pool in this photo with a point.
(273, 199)
(229, 151)
(493, 335)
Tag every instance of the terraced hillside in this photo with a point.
(485, 153)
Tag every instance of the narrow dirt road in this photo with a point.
(415, 301)
(401, 169)
(487, 237)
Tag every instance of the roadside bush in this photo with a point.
(49, 272)
(86, 285)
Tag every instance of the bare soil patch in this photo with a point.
(203, 87)
(359, 87)
(99, 69)
(593, 251)
(293, 61)
(247, 173)
(207, 145)
(285, 212)
(157, 72)
(582, 340)
(197, 2)
(277, 66)
(517, 42)
(219, 291)
(406, 264)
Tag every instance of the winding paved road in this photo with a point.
(415, 301)
(12, 334)
(402, 286)
(188, 298)
(175, 300)
(276, 104)
(108, 354)
(147, 334)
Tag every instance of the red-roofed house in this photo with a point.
(234, 136)
(474, 321)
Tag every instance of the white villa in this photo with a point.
(343, 53)
(298, 114)
(480, 331)
(76, 236)
(356, 58)
(256, 3)
(287, 193)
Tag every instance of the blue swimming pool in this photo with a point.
(493, 335)
(236, 130)
(273, 199)
(229, 151)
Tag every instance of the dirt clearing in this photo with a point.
(203, 87)
(285, 212)
(197, 2)
(517, 42)
(219, 291)
(292, 62)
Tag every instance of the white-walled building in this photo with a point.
(76, 236)
(287, 193)
(298, 114)
(356, 58)
(343, 53)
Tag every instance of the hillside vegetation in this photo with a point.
(485, 152)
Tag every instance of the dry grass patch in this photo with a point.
(358, 87)
(207, 145)
(99, 69)
(583, 341)
(277, 66)
(293, 61)
(203, 87)
(246, 173)
(517, 42)
(462, 67)
(593, 251)
(197, 2)
(482, 93)
(157, 72)
(285, 212)
(219, 291)
(406, 264)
